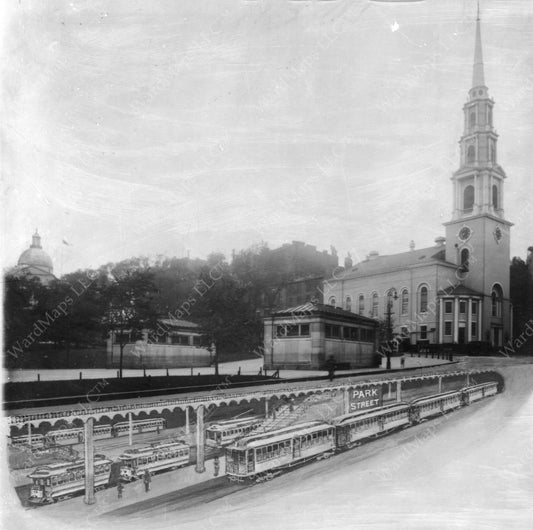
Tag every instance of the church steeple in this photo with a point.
(478, 183)
(478, 79)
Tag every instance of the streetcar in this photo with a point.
(259, 454)
(155, 457)
(36, 440)
(139, 426)
(61, 480)
(427, 407)
(225, 432)
(351, 428)
(76, 434)
(477, 392)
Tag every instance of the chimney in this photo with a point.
(440, 240)
(348, 263)
(411, 245)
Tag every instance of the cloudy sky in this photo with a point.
(167, 127)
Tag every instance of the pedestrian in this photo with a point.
(402, 361)
(147, 478)
(216, 463)
(330, 365)
(120, 489)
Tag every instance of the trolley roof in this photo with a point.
(58, 468)
(285, 433)
(150, 449)
(226, 424)
(437, 396)
(481, 385)
(363, 414)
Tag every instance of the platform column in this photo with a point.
(389, 396)
(440, 385)
(468, 379)
(187, 422)
(398, 390)
(200, 439)
(266, 407)
(29, 434)
(346, 395)
(89, 462)
(130, 428)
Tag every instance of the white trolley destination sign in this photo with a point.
(365, 398)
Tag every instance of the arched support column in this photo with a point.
(440, 384)
(346, 395)
(468, 379)
(389, 395)
(200, 440)
(187, 421)
(266, 407)
(29, 434)
(398, 390)
(130, 428)
(89, 462)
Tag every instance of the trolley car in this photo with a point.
(77, 435)
(36, 440)
(351, 428)
(155, 457)
(263, 453)
(477, 392)
(225, 432)
(61, 480)
(428, 407)
(139, 426)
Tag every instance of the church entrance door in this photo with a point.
(462, 336)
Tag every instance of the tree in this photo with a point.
(129, 294)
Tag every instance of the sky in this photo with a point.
(181, 128)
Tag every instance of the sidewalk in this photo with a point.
(247, 367)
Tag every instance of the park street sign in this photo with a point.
(365, 398)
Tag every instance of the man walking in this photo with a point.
(147, 478)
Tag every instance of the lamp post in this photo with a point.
(392, 294)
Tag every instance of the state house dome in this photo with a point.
(36, 262)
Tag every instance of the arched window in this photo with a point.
(405, 302)
(472, 119)
(490, 116)
(348, 303)
(496, 299)
(375, 303)
(332, 301)
(423, 299)
(468, 198)
(495, 196)
(361, 304)
(471, 154)
(465, 256)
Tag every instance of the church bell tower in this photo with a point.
(477, 237)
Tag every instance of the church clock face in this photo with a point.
(465, 233)
(498, 234)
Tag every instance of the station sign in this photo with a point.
(368, 397)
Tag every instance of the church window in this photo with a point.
(471, 154)
(496, 298)
(448, 307)
(361, 304)
(472, 119)
(375, 303)
(465, 256)
(490, 116)
(448, 328)
(423, 332)
(405, 301)
(462, 307)
(468, 198)
(423, 299)
(495, 197)
(474, 330)
(348, 303)
(332, 301)
(474, 308)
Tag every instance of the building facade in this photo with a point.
(456, 291)
(304, 337)
(174, 343)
